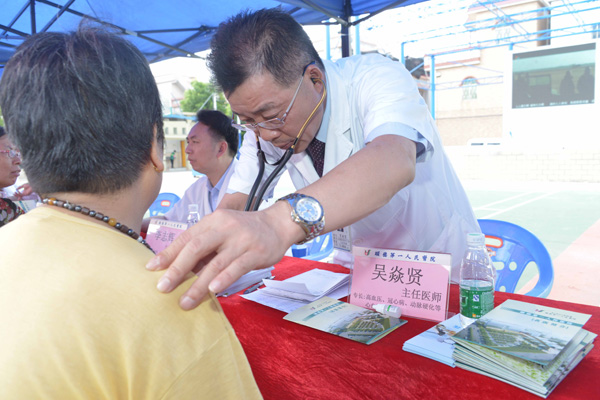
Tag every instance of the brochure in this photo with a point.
(524, 374)
(26, 205)
(529, 346)
(528, 331)
(345, 320)
(436, 343)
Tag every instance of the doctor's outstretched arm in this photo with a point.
(229, 243)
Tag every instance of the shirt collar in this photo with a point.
(219, 184)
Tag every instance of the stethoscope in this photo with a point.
(254, 199)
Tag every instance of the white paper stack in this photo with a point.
(246, 280)
(299, 290)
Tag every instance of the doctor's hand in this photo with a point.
(222, 247)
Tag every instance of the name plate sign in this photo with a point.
(161, 233)
(416, 281)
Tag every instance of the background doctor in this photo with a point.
(211, 148)
(384, 168)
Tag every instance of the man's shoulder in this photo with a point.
(368, 69)
(197, 186)
(358, 61)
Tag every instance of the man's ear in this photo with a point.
(156, 154)
(223, 148)
(315, 74)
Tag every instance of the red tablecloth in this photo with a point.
(291, 361)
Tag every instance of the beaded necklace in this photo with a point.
(99, 216)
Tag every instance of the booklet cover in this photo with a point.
(436, 343)
(345, 320)
(527, 331)
(522, 373)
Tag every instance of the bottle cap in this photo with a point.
(193, 208)
(475, 239)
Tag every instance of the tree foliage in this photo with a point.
(197, 97)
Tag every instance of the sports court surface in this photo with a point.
(564, 216)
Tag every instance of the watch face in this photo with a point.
(309, 209)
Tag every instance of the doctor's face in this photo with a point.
(260, 98)
(202, 149)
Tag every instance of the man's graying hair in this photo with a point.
(250, 43)
(82, 108)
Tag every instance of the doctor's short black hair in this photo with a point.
(82, 108)
(219, 125)
(251, 43)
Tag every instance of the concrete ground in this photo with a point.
(565, 217)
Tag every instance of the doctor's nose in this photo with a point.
(268, 134)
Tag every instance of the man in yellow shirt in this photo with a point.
(77, 320)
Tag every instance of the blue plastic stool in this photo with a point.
(317, 249)
(163, 203)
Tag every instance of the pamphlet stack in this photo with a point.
(526, 345)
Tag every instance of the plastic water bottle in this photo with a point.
(476, 279)
(193, 215)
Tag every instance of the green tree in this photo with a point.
(1, 119)
(200, 97)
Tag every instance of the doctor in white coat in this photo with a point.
(368, 156)
(211, 149)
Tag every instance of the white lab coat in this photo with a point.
(369, 96)
(198, 193)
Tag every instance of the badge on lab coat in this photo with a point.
(342, 239)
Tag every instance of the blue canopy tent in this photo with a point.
(163, 30)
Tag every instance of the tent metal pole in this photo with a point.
(345, 31)
(57, 16)
(32, 15)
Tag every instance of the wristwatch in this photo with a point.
(308, 213)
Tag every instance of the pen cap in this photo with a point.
(386, 309)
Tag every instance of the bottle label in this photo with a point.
(476, 301)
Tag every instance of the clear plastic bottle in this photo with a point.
(389, 310)
(477, 276)
(193, 215)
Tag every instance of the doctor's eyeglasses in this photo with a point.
(274, 123)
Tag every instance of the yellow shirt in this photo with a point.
(80, 318)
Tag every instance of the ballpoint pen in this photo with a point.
(254, 287)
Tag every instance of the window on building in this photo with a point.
(175, 131)
(469, 86)
(166, 130)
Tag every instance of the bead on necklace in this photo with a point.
(99, 216)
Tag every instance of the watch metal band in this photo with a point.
(312, 229)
